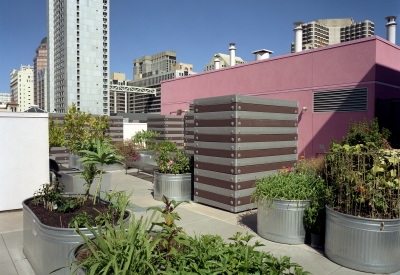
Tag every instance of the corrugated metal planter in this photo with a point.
(175, 187)
(282, 221)
(369, 245)
(48, 248)
(74, 184)
(73, 162)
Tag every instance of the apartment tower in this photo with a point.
(39, 63)
(21, 86)
(324, 32)
(78, 55)
(148, 72)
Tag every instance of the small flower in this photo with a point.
(302, 157)
(157, 153)
(170, 162)
(283, 167)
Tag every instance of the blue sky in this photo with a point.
(196, 30)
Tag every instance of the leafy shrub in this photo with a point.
(362, 133)
(145, 139)
(127, 150)
(287, 185)
(171, 160)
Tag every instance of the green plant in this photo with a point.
(80, 220)
(145, 139)
(80, 127)
(116, 201)
(127, 150)
(119, 249)
(171, 160)
(103, 153)
(364, 180)
(50, 195)
(56, 133)
(362, 133)
(70, 204)
(210, 254)
(287, 185)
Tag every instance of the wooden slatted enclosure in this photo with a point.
(189, 133)
(116, 131)
(238, 139)
(170, 127)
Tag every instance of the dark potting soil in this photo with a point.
(60, 219)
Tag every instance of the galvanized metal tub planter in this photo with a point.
(74, 184)
(369, 245)
(282, 220)
(177, 187)
(48, 248)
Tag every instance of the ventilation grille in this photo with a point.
(354, 100)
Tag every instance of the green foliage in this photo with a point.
(56, 133)
(117, 200)
(80, 127)
(364, 180)
(89, 172)
(287, 185)
(127, 150)
(102, 153)
(210, 254)
(120, 249)
(81, 219)
(70, 204)
(362, 133)
(145, 139)
(171, 160)
(50, 195)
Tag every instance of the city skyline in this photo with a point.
(194, 30)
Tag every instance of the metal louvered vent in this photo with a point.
(354, 100)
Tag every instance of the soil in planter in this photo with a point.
(61, 219)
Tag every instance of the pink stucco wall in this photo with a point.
(296, 77)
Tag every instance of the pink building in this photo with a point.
(332, 84)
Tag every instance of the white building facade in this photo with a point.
(22, 87)
(5, 98)
(78, 55)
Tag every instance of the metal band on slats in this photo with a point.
(245, 146)
(233, 178)
(244, 115)
(245, 130)
(164, 129)
(246, 138)
(239, 170)
(222, 191)
(233, 209)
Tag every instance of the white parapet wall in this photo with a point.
(131, 128)
(24, 158)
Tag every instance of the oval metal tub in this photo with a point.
(369, 245)
(175, 187)
(47, 248)
(282, 221)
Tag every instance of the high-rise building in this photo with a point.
(224, 60)
(5, 98)
(323, 32)
(39, 63)
(21, 86)
(148, 72)
(118, 98)
(78, 55)
(43, 96)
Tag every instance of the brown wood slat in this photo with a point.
(149, 126)
(224, 184)
(188, 140)
(168, 138)
(234, 170)
(246, 138)
(223, 199)
(245, 153)
(245, 107)
(245, 123)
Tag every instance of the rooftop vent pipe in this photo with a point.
(298, 36)
(216, 62)
(262, 54)
(232, 50)
(391, 29)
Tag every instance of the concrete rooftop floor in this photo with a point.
(196, 219)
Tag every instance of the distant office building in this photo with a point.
(78, 55)
(118, 98)
(39, 63)
(323, 32)
(21, 86)
(148, 72)
(43, 96)
(224, 61)
(5, 98)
